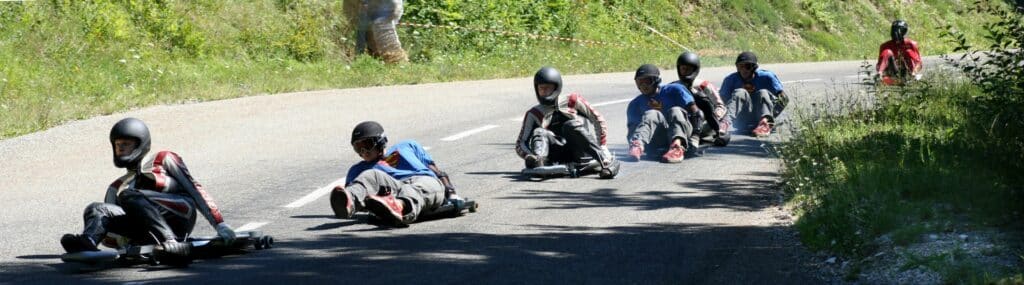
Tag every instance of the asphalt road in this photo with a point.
(265, 159)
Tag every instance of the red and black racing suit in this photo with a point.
(158, 200)
(898, 58)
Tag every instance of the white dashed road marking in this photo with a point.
(468, 133)
(251, 226)
(315, 195)
(804, 80)
(611, 102)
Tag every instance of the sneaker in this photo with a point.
(675, 154)
(341, 203)
(77, 243)
(636, 149)
(387, 207)
(763, 129)
(174, 247)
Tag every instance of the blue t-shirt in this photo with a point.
(400, 161)
(671, 95)
(763, 79)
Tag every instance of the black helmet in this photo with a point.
(551, 76)
(134, 129)
(688, 59)
(898, 30)
(649, 70)
(370, 129)
(747, 57)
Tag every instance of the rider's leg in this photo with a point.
(739, 111)
(707, 106)
(885, 62)
(381, 194)
(580, 137)
(145, 214)
(98, 217)
(681, 128)
(540, 146)
(764, 104)
(425, 193)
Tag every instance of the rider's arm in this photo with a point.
(443, 176)
(531, 120)
(729, 85)
(634, 115)
(915, 56)
(170, 164)
(710, 91)
(584, 109)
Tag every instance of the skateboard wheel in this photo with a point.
(472, 209)
(268, 242)
(258, 244)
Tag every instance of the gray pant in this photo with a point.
(655, 131)
(745, 110)
(423, 193)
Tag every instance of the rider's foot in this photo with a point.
(763, 129)
(533, 161)
(174, 247)
(342, 204)
(77, 243)
(636, 149)
(456, 201)
(675, 153)
(609, 170)
(386, 206)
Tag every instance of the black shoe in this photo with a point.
(174, 247)
(77, 243)
(533, 161)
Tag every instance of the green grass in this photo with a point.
(64, 60)
(920, 162)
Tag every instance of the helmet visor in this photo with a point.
(365, 145)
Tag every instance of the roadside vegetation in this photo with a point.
(940, 157)
(64, 60)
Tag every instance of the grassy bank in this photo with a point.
(939, 156)
(64, 60)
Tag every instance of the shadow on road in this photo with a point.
(640, 254)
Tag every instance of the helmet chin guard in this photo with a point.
(547, 75)
(689, 59)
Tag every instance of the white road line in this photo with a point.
(468, 133)
(516, 119)
(315, 195)
(804, 80)
(427, 147)
(611, 102)
(251, 226)
(852, 76)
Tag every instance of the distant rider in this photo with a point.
(562, 129)
(754, 97)
(706, 96)
(899, 56)
(661, 117)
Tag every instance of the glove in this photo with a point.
(225, 232)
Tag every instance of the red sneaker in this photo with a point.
(341, 203)
(675, 154)
(636, 149)
(763, 128)
(387, 207)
